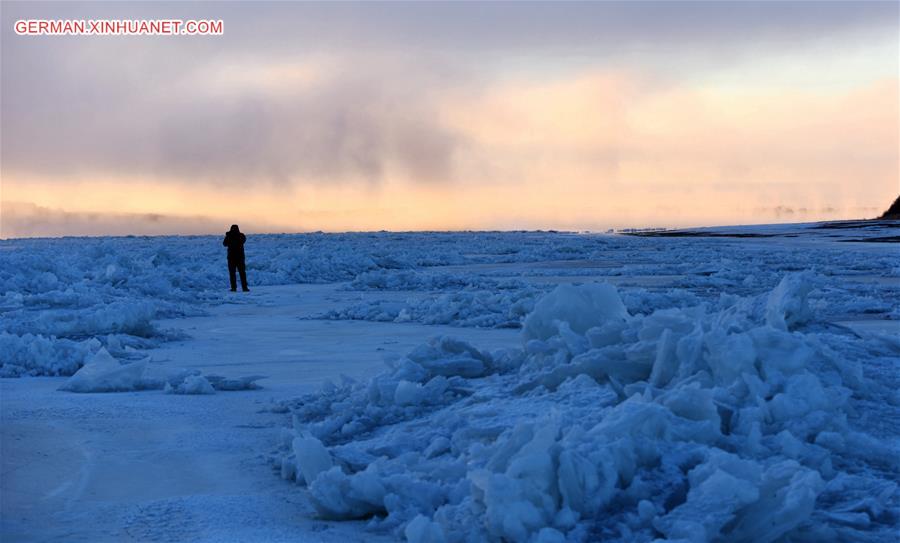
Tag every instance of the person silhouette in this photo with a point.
(234, 240)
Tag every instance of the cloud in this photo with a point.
(25, 219)
(593, 150)
(350, 122)
(319, 92)
(622, 132)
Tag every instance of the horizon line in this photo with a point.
(609, 231)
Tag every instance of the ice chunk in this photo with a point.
(693, 402)
(30, 354)
(586, 484)
(729, 355)
(340, 496)
(103, 373)
(449, 356)
(157, 376)
(247, 382)
(550, 535)
(646, 510)
(787, 304)
(407, 393)
(665, 366)
(422, 530)
(193, 384)
(312, 457)
(788, 495)
(600, 364)
(582, 307)
(711, 504)
(523, 498)
(408, 370)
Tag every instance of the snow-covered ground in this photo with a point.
(538, 386)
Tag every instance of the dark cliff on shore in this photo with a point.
(893, 212)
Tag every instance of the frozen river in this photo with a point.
(808, 324)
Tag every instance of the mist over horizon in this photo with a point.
(31, 221)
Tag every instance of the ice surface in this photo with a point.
(55, 294)
(709, 396)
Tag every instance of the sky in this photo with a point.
(448, 116)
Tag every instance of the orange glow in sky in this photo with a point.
(342, 140)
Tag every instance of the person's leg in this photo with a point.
(242, 267)
(232, 266)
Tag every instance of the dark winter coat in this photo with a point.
(235, 243)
